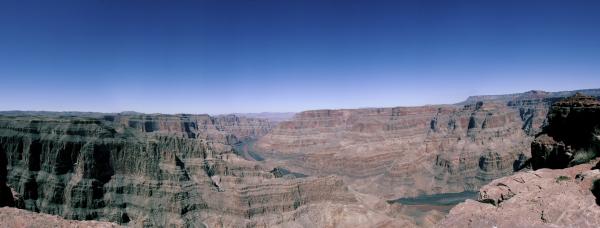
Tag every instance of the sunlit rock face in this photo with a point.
(408, 151)
(162, 170)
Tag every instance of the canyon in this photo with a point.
(321, 168)
(163, 170)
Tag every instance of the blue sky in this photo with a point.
(253, 56)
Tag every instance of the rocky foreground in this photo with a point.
(565, 196)
(541, 198)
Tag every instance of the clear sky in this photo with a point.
(288, 55)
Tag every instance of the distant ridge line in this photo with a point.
(532, 94)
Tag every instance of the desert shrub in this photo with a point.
(562, 178)
(583, 156)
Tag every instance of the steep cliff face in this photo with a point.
(6, 197)
(84, 169)
(565, 196)
(161, 170)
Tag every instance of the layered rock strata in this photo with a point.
(161, 170)
(409, 151)
(196, 126)
(396, 152)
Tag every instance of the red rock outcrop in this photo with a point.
(541, 198)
